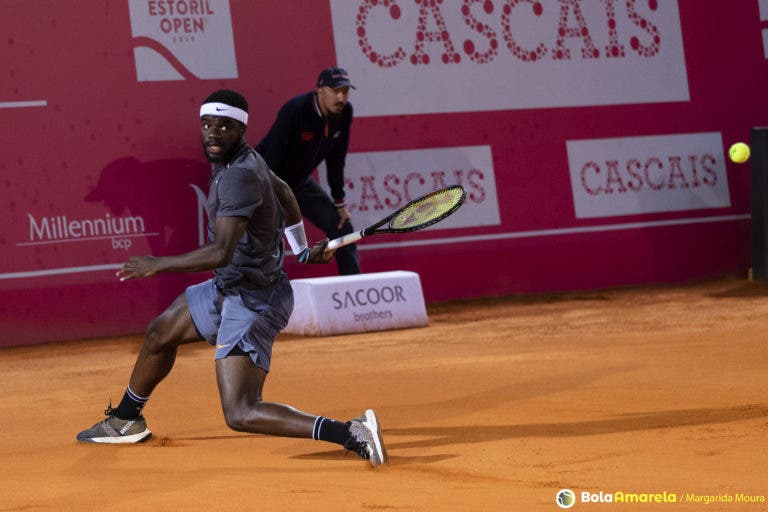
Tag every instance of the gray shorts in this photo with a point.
(249, 319)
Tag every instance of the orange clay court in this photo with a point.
(497, 405)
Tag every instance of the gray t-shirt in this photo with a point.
(244, 189)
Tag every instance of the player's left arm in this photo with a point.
(295, 224)
(286, 198)
(227, 231)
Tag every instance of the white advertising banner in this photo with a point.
(637, 175)
(378, 301)
(380, 182)
(410, 57)
(174, 38)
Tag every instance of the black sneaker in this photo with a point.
(366, 439)
(113, 430)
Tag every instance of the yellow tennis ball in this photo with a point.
(739, 153)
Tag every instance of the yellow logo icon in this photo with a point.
(565, 498)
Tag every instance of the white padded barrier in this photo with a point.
(378, 301)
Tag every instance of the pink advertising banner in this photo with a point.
(590, 135)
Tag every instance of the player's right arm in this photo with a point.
(239, 194)
(226, 233)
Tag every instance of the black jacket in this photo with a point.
(301, 138)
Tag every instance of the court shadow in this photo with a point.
(160, 192)
(501, 302)
(395, 460)
(160, 196)
(472, 434)
(487, 399)
(220, 438)
(745, 289)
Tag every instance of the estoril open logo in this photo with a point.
(565, 498)
(182, 39)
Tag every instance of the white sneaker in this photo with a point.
(366, 438)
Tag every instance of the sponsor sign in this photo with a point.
(638, 175)
(360, 303)
(180, 39)
(64, 229)
(409, 57)
(380, 182)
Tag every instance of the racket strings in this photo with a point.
(429, 209)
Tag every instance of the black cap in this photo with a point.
(334, 78)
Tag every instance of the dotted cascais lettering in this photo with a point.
(482, 43)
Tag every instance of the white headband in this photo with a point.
(222, 109)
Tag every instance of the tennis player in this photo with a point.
(242, 308)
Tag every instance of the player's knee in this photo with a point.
(243, 419)
(168, 329)
(157, 336)
(234, 420)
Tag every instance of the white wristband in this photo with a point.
(297, 238)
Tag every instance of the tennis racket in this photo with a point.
(417, 214)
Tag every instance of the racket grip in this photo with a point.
(344, 240)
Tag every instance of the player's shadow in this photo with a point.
(472, 434)
(165, 194)
(394, 460)
(447, 437)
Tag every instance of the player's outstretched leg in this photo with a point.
(240, 388)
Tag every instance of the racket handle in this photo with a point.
(344, 240)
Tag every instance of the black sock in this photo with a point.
(330, 430)
(130, 406)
